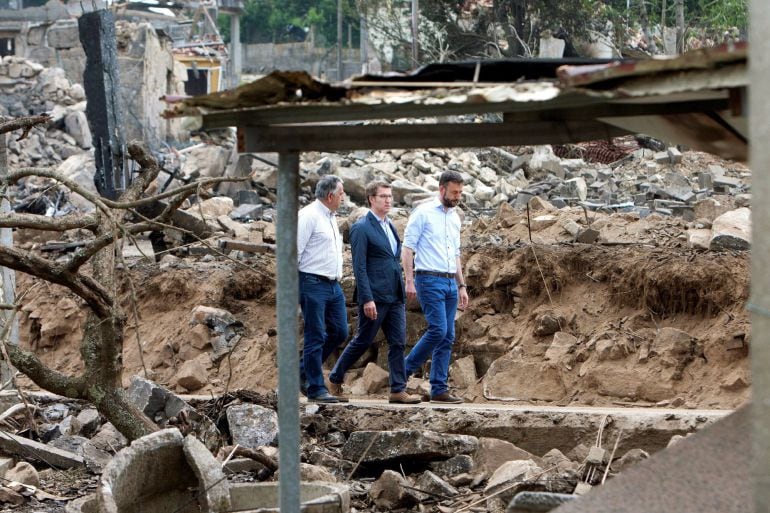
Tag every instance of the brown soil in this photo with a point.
(614, 300)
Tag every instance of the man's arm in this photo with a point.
(358, 250)
(305, 226)
(461, 288)
(407, 262)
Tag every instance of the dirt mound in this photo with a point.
(561, 323)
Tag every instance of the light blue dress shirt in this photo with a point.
(434, 235)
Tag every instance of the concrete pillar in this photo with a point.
(102, 85)
(236, 50)
(759, 129)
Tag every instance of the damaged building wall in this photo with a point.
(264, 58)
(147, 70)
(148, 57)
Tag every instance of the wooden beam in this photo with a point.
(377, 137)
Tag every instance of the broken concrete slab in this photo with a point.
(214, 492)
(26, 448)
(150, 475)
(508, 479)
(161, 405)
(409, 444)
(704, 473)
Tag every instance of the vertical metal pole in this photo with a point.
(759, 129)
(340, 74)
(8, 276)
(288, 357)
(415, 31)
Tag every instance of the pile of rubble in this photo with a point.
(383, 470)
(28, 88)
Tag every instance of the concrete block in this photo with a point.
(674, 155)
(63, 34)
(596, 455)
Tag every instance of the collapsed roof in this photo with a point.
(696, 99)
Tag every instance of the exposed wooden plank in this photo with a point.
(377, 137)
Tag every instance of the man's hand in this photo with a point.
(370, 310)
(411, 292)
(463, 298)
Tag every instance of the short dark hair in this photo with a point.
(327, 185)
(450, 176)
(373, 186)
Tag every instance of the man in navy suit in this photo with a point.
(376, 251)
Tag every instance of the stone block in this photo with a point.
(252, 425)
(63, 34)
(432, 483)
(463, 372)
(731, 231)
(674, 155)
(509, 478)
(492, 453)
(460, 464)
(76, 125)
(214, 492)
(192, 375)
(374, 378)
(389, 492)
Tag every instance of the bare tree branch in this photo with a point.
(45, 377)
(25, 123)
(54, 224)
(95, 295)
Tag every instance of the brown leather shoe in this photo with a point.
(335, 389)
(446, 397)
(403, 398)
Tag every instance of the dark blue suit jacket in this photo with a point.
(377, 270)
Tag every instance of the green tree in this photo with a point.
(269, 21)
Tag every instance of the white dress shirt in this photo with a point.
(385, 225)
(434, 235)
(319, 243)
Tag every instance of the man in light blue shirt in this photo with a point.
(432, 241)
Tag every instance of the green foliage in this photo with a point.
(269, 21)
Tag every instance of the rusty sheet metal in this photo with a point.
(703, 59)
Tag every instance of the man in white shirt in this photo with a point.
(432, 238)
(319, 255)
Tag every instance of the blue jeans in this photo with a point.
(391, 317)
(438, 299)
(326, 327)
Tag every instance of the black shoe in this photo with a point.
(324, 397)
(446, 397)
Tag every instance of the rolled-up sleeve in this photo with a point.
(414, 228)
